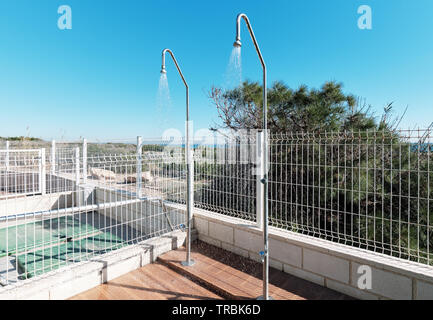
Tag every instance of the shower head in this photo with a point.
(238, 43)
(164, 71)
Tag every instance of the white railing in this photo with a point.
(22, 172)
(64, 208)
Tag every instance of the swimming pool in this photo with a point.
(43, 246)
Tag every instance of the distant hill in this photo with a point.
(21, 138)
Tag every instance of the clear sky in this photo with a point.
(100, 79)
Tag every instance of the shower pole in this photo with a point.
(189, 159)
(264, 181)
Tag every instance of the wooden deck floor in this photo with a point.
(215, 270)
(152, 282)
(241, 279)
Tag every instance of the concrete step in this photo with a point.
(8, 271)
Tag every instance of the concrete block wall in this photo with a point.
(36, 203)
(19, 182)
(325, 263)
(60, 194)
(146, 216)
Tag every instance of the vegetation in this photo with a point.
(301, 110)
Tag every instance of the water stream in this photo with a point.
(163, 101)
(233, 75)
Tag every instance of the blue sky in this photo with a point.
(100, 79)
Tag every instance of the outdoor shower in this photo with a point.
(189, 159)
(265, 253)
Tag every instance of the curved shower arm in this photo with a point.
(253, 37)
(181, 75)
(256, 45)
(175, 62)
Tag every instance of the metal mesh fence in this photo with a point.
(224, 176)
(80, 208)
(364, 189)
(369, 190)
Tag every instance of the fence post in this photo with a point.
(7, 156)
(139, 164)
(260, 171)
(53, 157)
(77, 166)
(43, 173)
(84, 160)
(191, 183)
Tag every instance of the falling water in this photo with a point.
(163, 100)
(233, 75)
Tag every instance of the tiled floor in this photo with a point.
(215, 270)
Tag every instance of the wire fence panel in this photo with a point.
(69, 218)
(364, 189)
(225, 180)
(370, 189)
(20, 171)
(60, 204)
